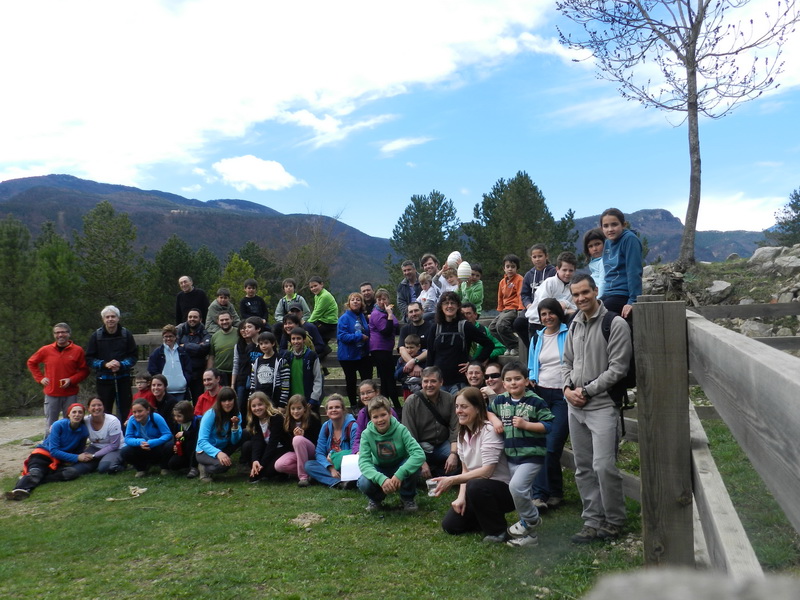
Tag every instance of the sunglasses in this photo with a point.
(492, 376)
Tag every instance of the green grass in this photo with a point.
(185, 539)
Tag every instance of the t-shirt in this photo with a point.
(223, 345)
(550, 375)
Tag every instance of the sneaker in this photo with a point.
(410, 506)
(513, 352)
(554, 501)
(17, 494)
(346, 485)
(165, 471)
(607, 531)
(303, 482)
(540, 504)
(140, 474)
(526, 540)
(585, 536)
(372, 506)
(521, 528)
(496, 539)
(192, 473)
(507, 353)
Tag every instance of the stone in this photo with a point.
(733, 256)
(784, 332)
(752, 328)
(767, 254)
(745, 301)
(718, 291)
(787, 265)
(785, 297)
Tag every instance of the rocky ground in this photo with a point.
(15, 442)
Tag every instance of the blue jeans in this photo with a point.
(436, 456)
(454, 388)
(408, 489)
(319, 473)
(550, 480)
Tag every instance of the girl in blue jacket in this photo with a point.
(622, 261)
(148, 440)
(220, 435)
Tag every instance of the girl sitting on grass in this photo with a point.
(267, 440)
(220, 435)
(336, 439)
(187, 428)
(301, 425)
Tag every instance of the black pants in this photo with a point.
(363, 367)
(119, 392)
(488, 501)
(384, 363)
(39, 472)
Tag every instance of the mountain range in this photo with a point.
(226, 224)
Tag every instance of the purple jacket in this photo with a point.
(381, 330)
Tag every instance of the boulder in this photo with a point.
(763, 259)
(785, 297)
(784, 332)
(788, 264)
(752, 328)
(718, 291)
(733, 256)
(744, 301)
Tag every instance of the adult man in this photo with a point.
(417, 326)
(222, 304)
(64, 368)
(173, 362)
(591, 366)
(223, 345)
(369, 296)
(430, 264)
(194, 338)
(211, 383)
(470, 312)
(326, 312)
(111, 352)
(188, 298)
(408, 289)
(430, 416)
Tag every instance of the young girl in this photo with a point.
(268, 440)
(301, 425)
(270, 371)
(335, 440)
(368, 390)
(164, 402)
(622, 260)
(382, 329)
(593, 243)
(244, 356)
(186, 429)
(220, 435)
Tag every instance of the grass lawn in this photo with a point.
(230, 539)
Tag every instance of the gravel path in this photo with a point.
(12, 452)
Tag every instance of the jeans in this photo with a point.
(319, 473)
(436, 456)
(550, 480)
(408, 488)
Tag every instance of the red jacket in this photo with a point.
(59, 363)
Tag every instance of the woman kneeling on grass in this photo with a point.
(335, 440)
(220, 435)
(148, 440)
(267, 441)
(483, 498)
(301, 425)
(56, 457)
(105, 440)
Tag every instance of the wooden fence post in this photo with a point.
(662, 383)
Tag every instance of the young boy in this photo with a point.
(305, 374)
(542, 269)
(508, 303)
(450, 275)
(270, 372)
(326, 312)
(388, 457)
(282, 309)
(472, 289)
(555, 287)
(252, 305)
(428, 297)
(411, 385)
(221, 305)
(524, 421)
(143, 389)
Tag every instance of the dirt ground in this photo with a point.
(13, 430)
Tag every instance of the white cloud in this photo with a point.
(731, 212)
(244, 172)
(192, 189)
(101, 102)
(613, 112)
(400, 144)
(464, 191)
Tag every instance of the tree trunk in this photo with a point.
(686, 256)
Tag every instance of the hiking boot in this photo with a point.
(205, 476)
(607, 531)
(140, 474)
(372, 506)
(17, 494)
(540, 504)
(513, 352)
(303, 482)
(496, 539)
(521, 528)
(410, 506)
(554, 501)
(585, 536)
(530, 539)
(193, 472)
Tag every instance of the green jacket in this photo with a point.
(389, 449)
(472, 294)
(499, 348)
(325, 308)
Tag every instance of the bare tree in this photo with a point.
(699, 48)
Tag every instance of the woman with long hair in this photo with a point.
(352, 351)
(220, 435)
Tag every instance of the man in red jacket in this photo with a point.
(64, 368)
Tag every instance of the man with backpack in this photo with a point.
(595, 360)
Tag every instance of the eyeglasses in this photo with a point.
(492, 376)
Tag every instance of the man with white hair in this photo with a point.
(111, 352)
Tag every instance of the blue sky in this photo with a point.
(349, 109)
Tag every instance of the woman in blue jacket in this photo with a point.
(622, 261)
(336, 439)
(220, 435)
(148, 440)
(544, 365)
(352, 336)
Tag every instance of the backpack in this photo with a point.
(451, 335)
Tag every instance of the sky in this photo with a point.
(350, 108)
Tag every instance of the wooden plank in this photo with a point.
(726, 542)
(747, 311)
(755, 390)
(662, 389)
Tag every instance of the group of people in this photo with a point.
(225, 381)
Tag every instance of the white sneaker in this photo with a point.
(527, 540)
(521, 528)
